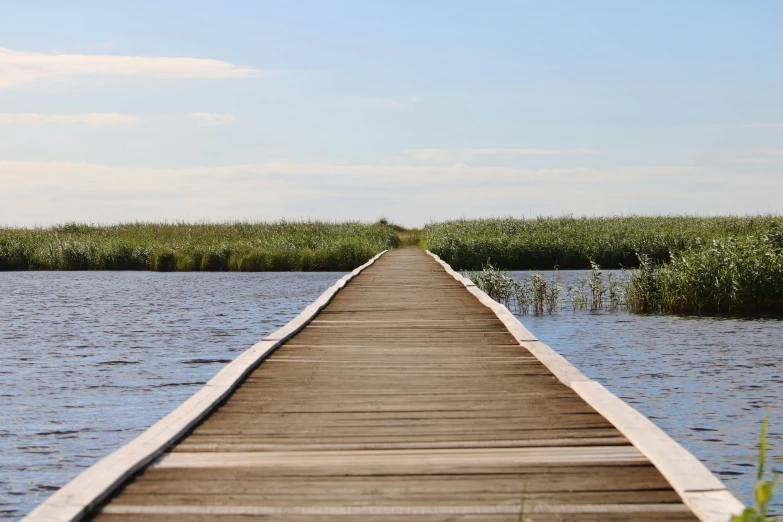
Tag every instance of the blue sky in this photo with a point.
(417, 111)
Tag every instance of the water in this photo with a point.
(707, 382)
(88, 360)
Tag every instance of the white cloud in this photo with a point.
(431, 155)
(210, 119)
(98, 119)
(760, 156)
(382, 102)
(44, 192)
(454, 155)
(751, 161)
(380, 177)
(524, 152)
(764, 125)
(19, 67)
(770, 151)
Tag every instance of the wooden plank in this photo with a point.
(424, 462)
(482, 509)
(523, 443)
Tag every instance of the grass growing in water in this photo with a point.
(572, 243)
(764, 490)
(687, 265)
(727, 276)
(240, 246)
(538, 294)
(738, 276)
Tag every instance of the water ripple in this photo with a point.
(91, 359)
(708, 382)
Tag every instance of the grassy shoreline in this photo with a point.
(574, 243)
(684, 265)
(164, 247)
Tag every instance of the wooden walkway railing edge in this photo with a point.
(95, 484)
(700, 490)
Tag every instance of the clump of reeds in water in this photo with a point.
(535, 294)
(592, 292)
(731, 275)
(538, 294)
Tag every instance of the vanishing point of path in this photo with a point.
(404, 399)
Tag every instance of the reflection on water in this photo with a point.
(708, 382)
(88, 360)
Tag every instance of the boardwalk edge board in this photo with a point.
(699, 489)
(91, 487)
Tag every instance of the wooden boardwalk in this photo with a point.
(405, 398)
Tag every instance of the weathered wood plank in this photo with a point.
(415, 462)
(482, 509)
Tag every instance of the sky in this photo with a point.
(416, 111)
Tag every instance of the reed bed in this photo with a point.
(574, 243)
(239, 246)
(731, 275)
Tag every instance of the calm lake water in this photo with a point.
(708, 382)
(90, 359)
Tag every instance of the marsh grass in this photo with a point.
(536, 294)
(405, 236)
(729, 275)
(540, 295)
(165, 247)
(684, 264)
(572, 243)
(409, 237)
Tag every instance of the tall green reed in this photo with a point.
(730, 275)
(764, 489)
(535, 295)
(571, 243)
(238, 246)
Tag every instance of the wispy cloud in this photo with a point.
(97, 119)
(210, 119)
(751, 161)
(20, 67)
(764, 125)
(769, 151)
(456, 155)
(379, 101)
(382, 102)
(760, 156)
(379, 176)
(41, 192)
